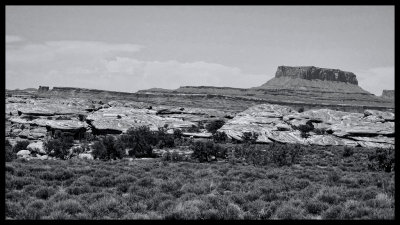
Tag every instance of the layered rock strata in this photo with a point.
(281, 124)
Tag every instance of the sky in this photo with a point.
(131, 48)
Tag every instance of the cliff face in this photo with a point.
(388, 94)
(315, 73)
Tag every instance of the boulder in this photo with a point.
(197, 135)
(23, 153)
(42, 157)
(37, 146)
(85, 156)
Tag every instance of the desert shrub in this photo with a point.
(99, 150)
(10, 155)
(382, 159)
(35, 210)
(173, 156)
(355, 210)
(178, 134)
(347, 151)
(334, 212)
(13, 210)
(10, 169)
(139, 140)
(82, 117)
(78, 190)
(319, 131)
(59, 145)
(45, 192)
(207, 151)
(193, 129)
(108, 148)
(214, 125)
(329, 195)
(315, 207)
(333, 177)
(285, 154)
(249, 137)
(20, 145)
(304, 129)
(220, 137)
(289, 212)
(301, 109)
(69, 206)
(107, 207)
(62, 174)
(164, 139)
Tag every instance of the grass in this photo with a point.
(154, 189)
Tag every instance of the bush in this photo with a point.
(193, 129)
(382, 159)
(10, 154)
(249, 137)
(164, 139)
(59, 145)
(333, 177)
(305, 129)
(173, 156)
(178, 134)
(108, 148)
(214, 126)
(319, 131)
(289, 212)
(139, 141)
(220, 137)
(315, 207)
(334, 212)
(45, 192)
(207, 151)
(285, 154)
(347, 151)
(20, 145)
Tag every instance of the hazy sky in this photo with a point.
(129, 48)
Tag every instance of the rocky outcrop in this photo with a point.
(315, 73)
(120, 119)
(43, 89)
(37, 146)
(282, 124)
(389, 94)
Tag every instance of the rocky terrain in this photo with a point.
(305, 105)
(275, 123)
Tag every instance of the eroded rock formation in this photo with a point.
(315, 73)
(281, 124)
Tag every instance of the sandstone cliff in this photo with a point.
(389, 94)
(315, 73)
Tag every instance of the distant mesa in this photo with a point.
(314, 79)
(315, 73)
